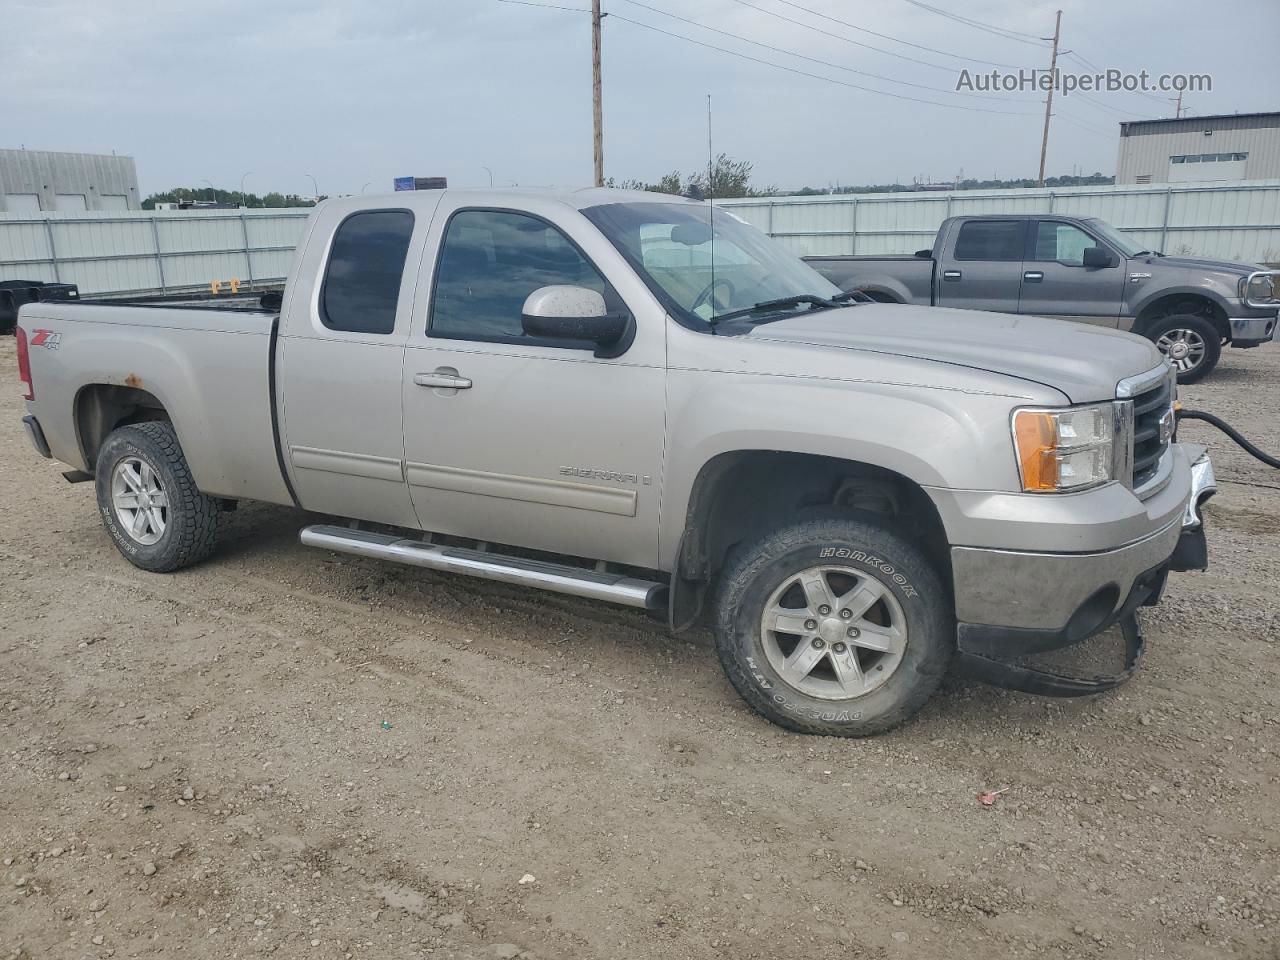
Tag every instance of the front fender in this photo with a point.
(935, 437)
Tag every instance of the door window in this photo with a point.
(490, 261)
(366, 264)
(989, 240)
(1061, 242)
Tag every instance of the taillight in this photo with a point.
(24, 365)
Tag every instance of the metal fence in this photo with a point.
(1236, 221)
(175, 251)
(145, 251)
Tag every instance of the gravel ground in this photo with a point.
(284, 752)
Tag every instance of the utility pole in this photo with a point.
(596, 109)
(1048, 101)
(1177, 109)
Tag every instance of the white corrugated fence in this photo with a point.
(1227, 221)
(165, 251)
(144, 251)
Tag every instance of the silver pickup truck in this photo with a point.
(643, 400)
(1080, 269)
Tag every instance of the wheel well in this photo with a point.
(1183, 303)
(741, 495)
(102, 407)
(879, 296)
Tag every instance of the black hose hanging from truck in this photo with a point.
(1231, 432)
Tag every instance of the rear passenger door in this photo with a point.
(983, 270)
(1056, 283)
(340, 357)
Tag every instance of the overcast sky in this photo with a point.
(358, 93)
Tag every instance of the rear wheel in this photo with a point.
(834, 626)
(1190, 342)
(149, 502)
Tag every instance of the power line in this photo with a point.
(816, 76)
(1084, 126)
(1105, 106)
(778, 66)
(1097, 69)
(885, 36)
(856, 43)
(825, 63)
(979, 25)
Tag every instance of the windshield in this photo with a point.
(697, 276)
(1114, 237)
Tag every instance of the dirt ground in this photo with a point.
(286, 752)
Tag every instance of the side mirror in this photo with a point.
(1095, 257)
(565, 312)
(925, 254)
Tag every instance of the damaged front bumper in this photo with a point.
(1093, 591)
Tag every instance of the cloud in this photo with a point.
(357, 93)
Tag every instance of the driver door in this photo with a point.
(528, 442)
(1056, 283)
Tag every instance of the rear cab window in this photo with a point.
(361, 285)
(990, 240)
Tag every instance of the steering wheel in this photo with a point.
(708, 290)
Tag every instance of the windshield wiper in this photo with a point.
(782, 303)
(852, 296)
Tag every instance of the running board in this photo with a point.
(558, 578)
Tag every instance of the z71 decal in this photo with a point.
(45, 338)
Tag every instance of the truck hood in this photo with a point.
(1081, 360)
(1203, 266)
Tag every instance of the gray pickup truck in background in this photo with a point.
(1080, 269)
(643, 400)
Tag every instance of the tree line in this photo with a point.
(216, 195)
(728, 178)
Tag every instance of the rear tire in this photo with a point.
(834, 626)
(149, 502)
(1190, 342)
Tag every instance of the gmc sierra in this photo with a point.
(1077, 269)
(639, 399)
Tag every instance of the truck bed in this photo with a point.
(210, 367)
(896, 278)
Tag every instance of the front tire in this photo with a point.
(1190, 342)
(836, 626)
(149, 502)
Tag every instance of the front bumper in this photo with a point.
(1252, 324)
(1014, 603)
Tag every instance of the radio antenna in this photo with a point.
(711, 213)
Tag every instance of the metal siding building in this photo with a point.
(32, 181)
(1229, 147)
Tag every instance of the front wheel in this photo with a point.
(149, 502)
(1191, 343)
(834, 626)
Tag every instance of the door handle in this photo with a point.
(1033, 276)
(950, 274)
(445, 379)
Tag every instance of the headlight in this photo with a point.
(1258, 287)
(1064, 449)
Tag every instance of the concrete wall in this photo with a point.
(34, 181)
(1147, 146)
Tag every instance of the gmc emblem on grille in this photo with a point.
(1166, 426)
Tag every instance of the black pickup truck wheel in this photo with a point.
(834, 626)
(1192, 344)
(149, 502)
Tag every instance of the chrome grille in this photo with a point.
(1148, 447)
